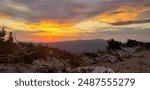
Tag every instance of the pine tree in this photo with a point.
(10, 38)
(2, 35)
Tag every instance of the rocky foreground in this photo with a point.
(125, 60)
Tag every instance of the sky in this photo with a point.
(63, 20)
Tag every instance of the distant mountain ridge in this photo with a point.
(79, 45)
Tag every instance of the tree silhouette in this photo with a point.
(2, 35)
(10, 38)
(133, 43)
(112, 44)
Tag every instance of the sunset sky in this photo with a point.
(63, 20)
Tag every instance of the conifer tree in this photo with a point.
(10, 38)
(2, 35)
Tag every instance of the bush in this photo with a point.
(132, 43)
(112, 44)
(28, 59)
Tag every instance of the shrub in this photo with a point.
(132, 43)
(112, 44)
(28, 59)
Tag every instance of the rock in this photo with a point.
(112, 59)
(87, 60)
(128, 53)
(125, 52)
(102, 70)
(109, 58)
(129, 50)
(90, 69)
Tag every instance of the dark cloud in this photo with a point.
(117, 12)
(130, 22)
(34, 10)
(47, 9)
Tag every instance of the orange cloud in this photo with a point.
(48, 25)
(4, 16)
(123, 13)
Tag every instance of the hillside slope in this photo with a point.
(80, 45)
